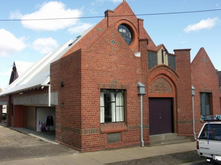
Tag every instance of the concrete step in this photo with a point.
(168, 138)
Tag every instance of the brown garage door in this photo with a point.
(160, 111)
(30, 118)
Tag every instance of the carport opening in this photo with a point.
(3, 115)
(45, 118)
(41, 120)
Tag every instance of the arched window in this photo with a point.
(111, 106)
(125, 33)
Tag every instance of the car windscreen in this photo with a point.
(211, 132)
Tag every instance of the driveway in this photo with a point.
(15, 145)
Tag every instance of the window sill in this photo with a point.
(113, 127)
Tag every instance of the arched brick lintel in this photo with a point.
(167, 74)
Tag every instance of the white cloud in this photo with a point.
(51, 9)
(116, 1)
(203, 24)
(102, 1)
(9, 44)
(79, 28)
(15, 15)
(45, 45)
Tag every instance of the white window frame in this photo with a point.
(112, 105)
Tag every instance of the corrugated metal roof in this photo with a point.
(39, 73)
(22, 66)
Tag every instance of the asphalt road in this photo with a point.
(184, 158)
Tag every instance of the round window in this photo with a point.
(125, 33)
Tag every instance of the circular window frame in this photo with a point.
(132, 29)
(127, 32)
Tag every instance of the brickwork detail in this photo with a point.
(161, 86)
(113, 127)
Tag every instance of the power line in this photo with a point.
(183, 12)
(92, 17)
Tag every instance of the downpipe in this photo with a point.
(141, 121)
(194, 132)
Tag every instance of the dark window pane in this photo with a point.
(152, 59)
(125, 33)
(172, 61)
(211, 132)
(205, 103)
(111, 106)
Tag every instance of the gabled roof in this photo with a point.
(22, 66)
(163, 46)
(203, 58)
(110, 20)
(39, 73)
(18, 68)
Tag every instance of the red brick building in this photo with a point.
(220, 87)
(92, 88)
(205, 79)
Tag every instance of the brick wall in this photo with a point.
(184, 95)
(144, 79)
(68, 110)
(109, 66)
(220, 100)
(205, 78)
(105, 61)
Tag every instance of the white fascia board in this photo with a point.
(45, 83)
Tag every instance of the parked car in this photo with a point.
(209, 141)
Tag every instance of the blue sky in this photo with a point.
(30, 40)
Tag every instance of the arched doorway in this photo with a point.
(162, 104)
